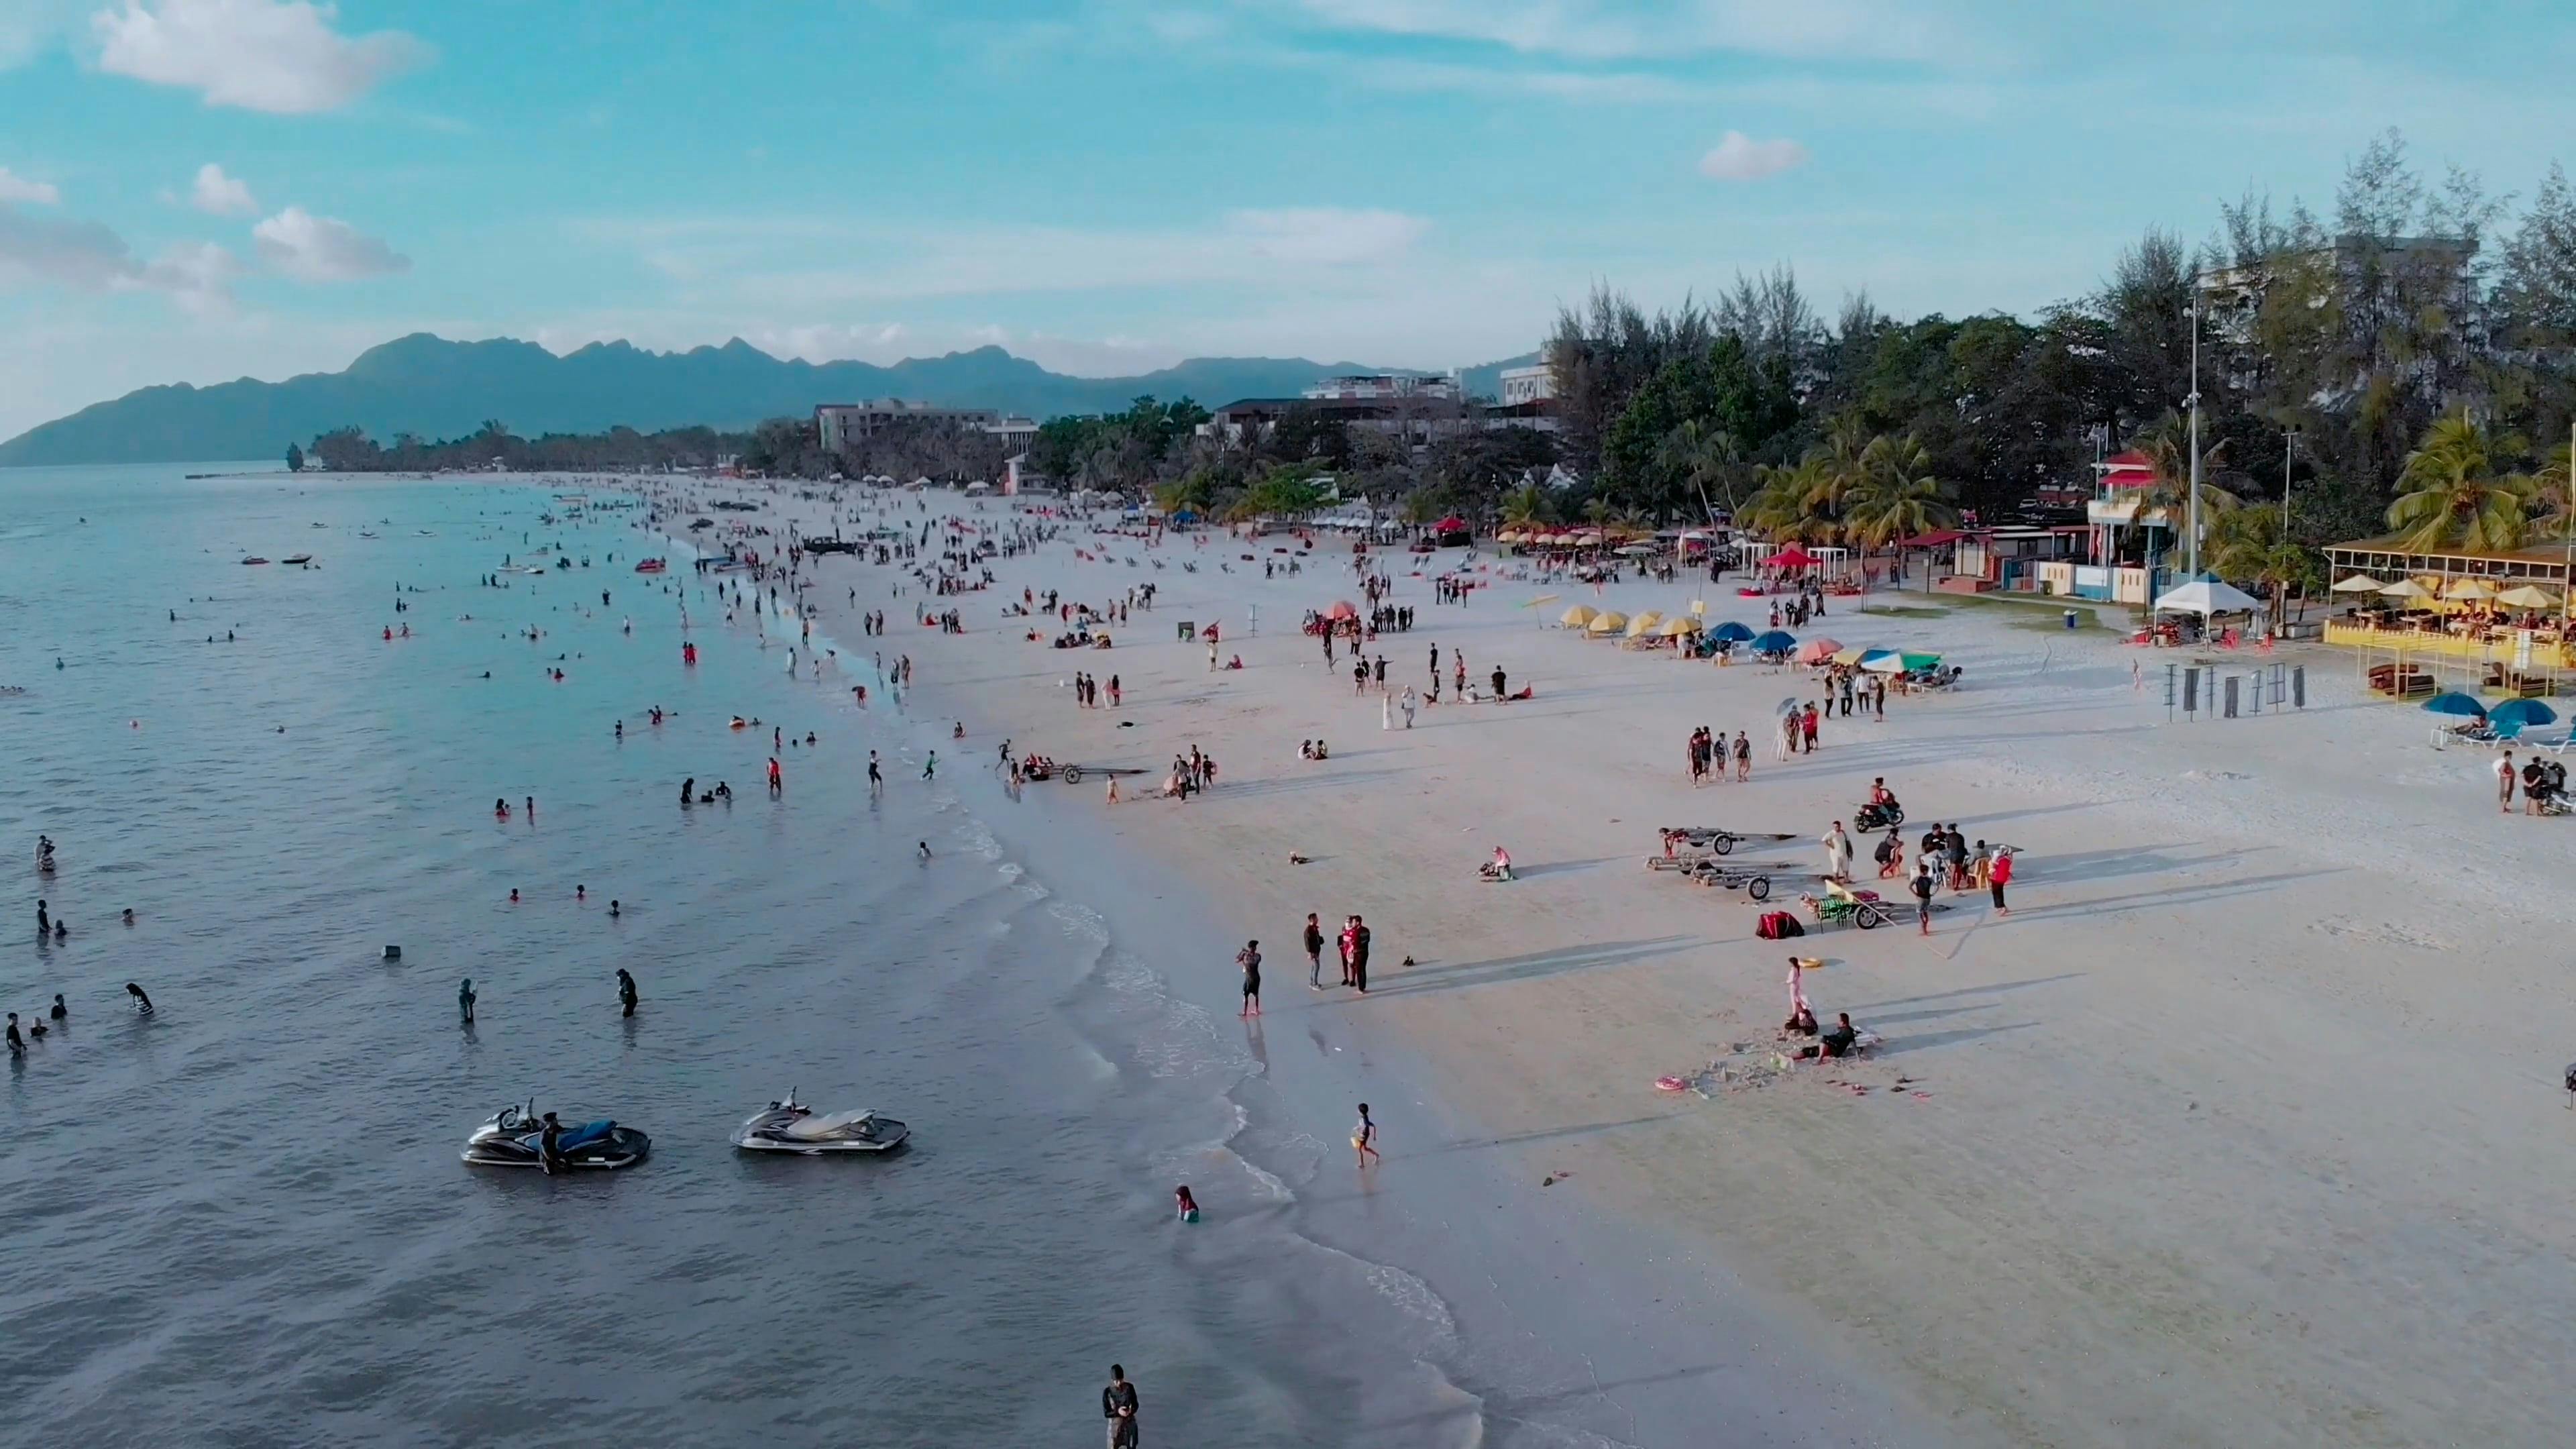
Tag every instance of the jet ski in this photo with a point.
(508, 1138)
(791, 1126)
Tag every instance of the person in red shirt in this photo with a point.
(1998, 875)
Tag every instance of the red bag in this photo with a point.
(1778, 925)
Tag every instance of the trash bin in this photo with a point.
(2070, 618)
(1188, 630)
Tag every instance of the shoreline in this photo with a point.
(2210, 1103)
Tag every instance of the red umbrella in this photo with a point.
(1345, 610)
(1452, 524)
(1793, 557)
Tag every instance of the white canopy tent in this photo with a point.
(2207, 596)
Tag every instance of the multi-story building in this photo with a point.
(1384, 387)
(1526, 386)
(839, 425)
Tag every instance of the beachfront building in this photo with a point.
(1526, 385)
(839, 426)
(1381, 386)
(2500, 620)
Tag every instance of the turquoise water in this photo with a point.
(242, 1219)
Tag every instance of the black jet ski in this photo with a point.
(509, 1138)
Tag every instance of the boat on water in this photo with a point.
(650, 566)
(510, 1138)
(297, 558)
(254, 559)
(791, 1126)
(362, 533)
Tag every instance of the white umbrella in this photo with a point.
(2357, 584)
(2207, 596)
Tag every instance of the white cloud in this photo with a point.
(216, 194)
(1738, 157)
(280, 56)
(19, 188)
(197, 275)
(30, 26)
(313, 248)
(1603, 30)
(89, 256)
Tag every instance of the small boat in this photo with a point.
(791, 1126)
(509, 1138)
(321, 525)
(254, 559)
(424, 533)
(362, 533)
(651, 566)
(297, 558)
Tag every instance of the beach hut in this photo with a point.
(1578, 617)
(1608, 624)
(1818, 651)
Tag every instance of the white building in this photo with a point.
(1525, 385)
(838, 425)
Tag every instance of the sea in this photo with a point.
(242, 1220)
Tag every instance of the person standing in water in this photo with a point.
(465, 1001)
(876, 777)
(1249, 958)
(142, 1003)
(626, 997)
(1364, 1138)
(930, 767)
(1118, 1407)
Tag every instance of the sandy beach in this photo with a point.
(2239, 1130)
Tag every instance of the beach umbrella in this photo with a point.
(1676, 627)
(2454, 702)
(2405, 589)
(1786, 706)
(1778, 641)
(2357, 584)
(1817, 651)
(2528, 596)
(1849, 657)
(2522, 711)
(1643, 624)
(1609, 623)
(1577, 617)
(1636, 550)
(1345, 610)
(2469, 589)
(1882, 661)
(1731, 632)
(1542, 599)
(1793, 557)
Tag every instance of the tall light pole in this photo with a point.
(2289, 442)
(2193, 508)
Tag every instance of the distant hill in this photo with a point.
(436, 389)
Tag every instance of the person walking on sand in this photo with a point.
(1807, 726)
(1408, 705)
(1998, 875)
(1837, 853)
(1743, 757)
(1364, 1138)
(1922, 888)
(1118, 1408)
(1314, 943)
(1249, 958)
(2504, 783)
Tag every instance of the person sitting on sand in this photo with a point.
(1801, 1022)
(1499, 868)
(1837, 1040)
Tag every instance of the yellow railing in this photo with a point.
(2445, 646)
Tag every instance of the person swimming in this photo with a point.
(44, 920)
(687, 787)
(129, 915)
(17, 1043)
(62, 928)
(500, 808)
(58, 1013)
(925, 850)
(142, 1003)
(626, 995)
(1188, 1206)
(615, 910)
(514, 895)
(581, 893)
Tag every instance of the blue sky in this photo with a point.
(203, 189)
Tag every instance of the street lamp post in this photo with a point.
(2193, 507)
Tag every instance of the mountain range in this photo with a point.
(436, 388)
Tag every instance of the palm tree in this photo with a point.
(1897, 496)
(1799, 504)
(1525, 506)
(1705, 457)
(2250, 544)
(2455, 497)
(2167, 447)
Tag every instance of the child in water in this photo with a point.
(1188, 1205)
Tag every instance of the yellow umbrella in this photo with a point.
(1644, 622)
(1542, 599)
(2469, 589)
(1609, 623)
(1676, 627)
(2528, 596)
(1576, 617)
(1849, 656)
(2406, 589)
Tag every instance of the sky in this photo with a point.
(197, 190)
